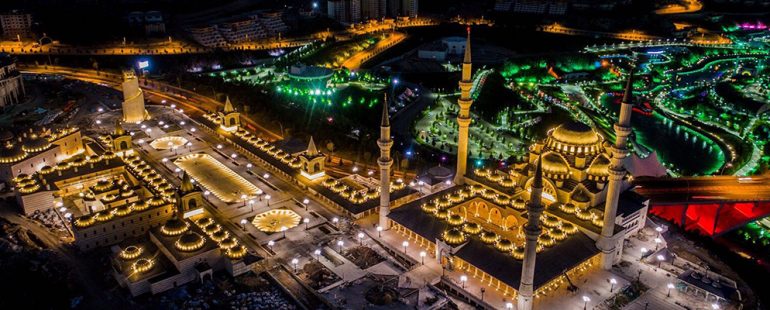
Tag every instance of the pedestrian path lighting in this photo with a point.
(283, 230)
(335, 220)
(508, 305)
(294, 262)
(657, 243)
(317, 253)
(379, 231)
(586, 299)
(644, 252)
(612, 284)
(306, 221)
(339, 245)
(463, 279)
(422, 256)
(670, 286)
(405, 244)
(270, 244)
(715, 306)
(360, 238)
(243, 223)
(661, 258)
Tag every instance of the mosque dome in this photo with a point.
(599, 167)
(174, 227)
(555, 164)
(6, 135)
(35, 143)
(11, 152)
(190, 241)
(575, 133)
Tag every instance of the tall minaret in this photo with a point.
(385, 143)
(532, 231)
(607, 244)
(133, 98)
(464, 117)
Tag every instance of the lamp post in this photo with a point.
(483, 290)
(657, 243)
(336, 220)
(463, 279)
(422, 256)
(715, 306)
(360, 239)
(586, 299)
(660, 259)
(405, 244)
(508, 305)
(339, 245)
(644, 252)
(306, 221)
(267, 198)
(305, 202)
(317, 253)
(294, 262)
(612, 284)
(379, 231)
(670, 286)
(270, 245)
(243, 224)
(283, 230)
(243, 197)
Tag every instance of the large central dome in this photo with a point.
(575, 133)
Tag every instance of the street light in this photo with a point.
(508, 305)
(463, 279)
(612, 284)
(317, 253)
(283, 230)
(715, 306)
(483, 290)
(267, 198)
(360, 238)
(339, 245)
(586, 299)
(335, 220)
(657, 243)
(243, 223)
(270, 244)
(405, 244)
(295, 261)
(306, 221)
(379, 231)
(644, 252)
(660, 259)
(422, 256)
(306, 202)
(670, 286)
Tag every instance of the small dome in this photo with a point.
(36, 143)
(599, 166)
(11, 152)
(580, 195)
(453, 236)
(6, 135)
(554, 163)
(575, 133)
(174, 227)
(190, 241)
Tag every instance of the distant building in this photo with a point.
(344, 11)
(30, 151)
(373, 9)
(241, 29)
(16, 24)
(11, 83)
(151, 22)
(410, 8)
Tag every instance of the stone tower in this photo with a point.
(133, 99)
(608, 242)
(230, 118)
(312, 162)
(464, 116)
(385, 143)
(532, 231)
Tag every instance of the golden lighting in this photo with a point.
(174, 227)
(236, 252)
(222, 181)
(131, 252)
(190, 242)
(169, 142)
(453, 237)
(227, 243)
(143, 265)
(455, 220)
(84, 221)
(504, 245)
(472, 228)
(488, 237)
(273, 220)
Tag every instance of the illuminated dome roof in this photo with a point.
(11, 152)
(174, 227)
(554, 163)
(190, 241)
(580, 196)
(35, 143)
(575, 133)
(600, 166)
(6, 135)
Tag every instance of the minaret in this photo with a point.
(228, 106)
(532, 231)
(311, 149)
(607, 244)
(385, 143)
(186, 185)
(133, 98)
(464, 116)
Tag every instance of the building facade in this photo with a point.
(11, 83)
(16, 24)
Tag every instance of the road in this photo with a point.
(715, 188)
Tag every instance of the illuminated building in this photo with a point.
(133, 99)
(312, 162)
(384, 162)
(229, 118)
(34, 149)
(119, 141)
(16, 24)
(464, 116)
(11, 84)
(492, 223)
(178, 252)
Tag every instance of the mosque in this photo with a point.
(513, 229)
